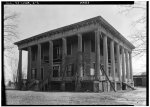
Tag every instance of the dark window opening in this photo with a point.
(42, 53)
(92, 46)
(109, 71)
(83, 68)
(101, 70)
(46, 59)
(69, 49)
(33, 73)
(83, 46)
(55, 71)
(69, 70)
(57, 52)
(42, 73)
(34, 55)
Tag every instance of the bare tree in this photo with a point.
(10, 36)
(14, 64)
(10, 28)
(138, 37)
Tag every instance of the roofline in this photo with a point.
(98, 19)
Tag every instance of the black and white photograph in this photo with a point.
(75, 53)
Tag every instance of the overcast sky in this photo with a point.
(35, 19)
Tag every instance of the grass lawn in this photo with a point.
(135, 97)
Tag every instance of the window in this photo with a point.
(83, 69)
(33, 73)
(34, 55)
(69, 70)
(109, 71)
(46, 59)
(56, 71)
(56, 52)
(92, 46)
(83, 47)
(102, 72)
(69, 49)
(42, 73)
(92, 71)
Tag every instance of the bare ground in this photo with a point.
(136, 97)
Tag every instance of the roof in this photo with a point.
(94, 20)
(140, 74)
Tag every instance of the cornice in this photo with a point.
(96, 20)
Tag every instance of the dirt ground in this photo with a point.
(136, 97)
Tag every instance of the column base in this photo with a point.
(78, 87)
(106, 86)
(97, 86)
(124, 86)
(114, 84)
(119, 86)
(37, 88)
(63, 86)
(49, 86)
(132, 83)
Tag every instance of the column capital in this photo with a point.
(39, 44)
(20, 50)
(50, 42)
(64, 38)
(117, 45)
(97, 30)
(130, 52)
(112, 41)
(79, 34)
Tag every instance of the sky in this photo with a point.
(36, 19)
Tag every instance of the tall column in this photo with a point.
(20, 70)
(123, 68)
(50, 63)
(127, 66)
(118, 64)
(50, 59)
(112, 61)
(29, 64)
(105, 50)
(97, 41)
(80, 72)
(64, 53)
(131, 71)
(39, 62)
(79, 63)
(105, 53)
